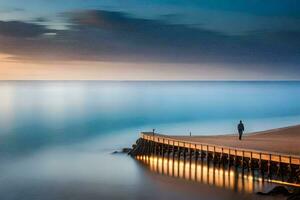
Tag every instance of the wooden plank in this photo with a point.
(247, 154)
(295, 161)
(255, 155)
(198, 146)
(232, 152)
(218, 149)
(265, 156)
(210, 148)
(180, 144)
(239, 153)
(226, 151)
(275, 158)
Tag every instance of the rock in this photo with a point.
(278, 190)
(295, 195)
(124, 150)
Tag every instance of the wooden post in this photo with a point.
(250, 162)
(178, 159)
(214, 156)
(143, 147)
(178, 155)
(228, 159)
(196, 161)
(242, 162)
(153, 147)
(259, 163)
(279, 168)
(190, 149)
(196, 155)
(201, 153)
(221, 158)
(173, 156)
(290, 168)
(269, 166)
(173, 152)
(162, 149)
(147, 147)
(168, 149)
(184, 154)
(260, 166)
(184, 160)
(190, 166)
(235, 158)
(158, 147)
(207, 156)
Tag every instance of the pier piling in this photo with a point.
(274, 164)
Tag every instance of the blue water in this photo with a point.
(56, 137)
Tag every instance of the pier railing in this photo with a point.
(223, 150)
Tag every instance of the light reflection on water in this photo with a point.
(215, 175)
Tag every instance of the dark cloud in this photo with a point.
(41, 19)
(11, 10)
(97, 35)
(21, 29)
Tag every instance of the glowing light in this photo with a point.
(201, 172)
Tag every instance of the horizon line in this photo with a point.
(149, 80)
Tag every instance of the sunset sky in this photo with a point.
(149, 40)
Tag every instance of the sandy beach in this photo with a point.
(283, 140)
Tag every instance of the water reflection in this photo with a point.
(7, 107)
(219, 176)
(39, 114)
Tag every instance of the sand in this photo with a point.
(283, 140)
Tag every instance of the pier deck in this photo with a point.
(273, 154)
(194, 143)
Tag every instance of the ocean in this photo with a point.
(57, 137)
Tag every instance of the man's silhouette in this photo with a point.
(241, 129)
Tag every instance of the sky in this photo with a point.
(149, 40)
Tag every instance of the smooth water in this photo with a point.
(56, 138)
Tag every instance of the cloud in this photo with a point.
(41, 19)
(98, 35)
(21, 29)
(11, 10)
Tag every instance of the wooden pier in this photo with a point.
(268, 164)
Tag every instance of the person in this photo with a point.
(241, 129)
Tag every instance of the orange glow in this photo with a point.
(12, 69)
(200, 172)
(5, 57)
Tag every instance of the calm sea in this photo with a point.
(56, 138)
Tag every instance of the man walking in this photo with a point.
(241, 129)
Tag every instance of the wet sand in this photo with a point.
(283, 140)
